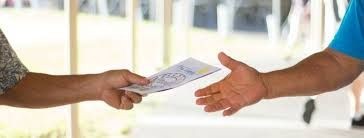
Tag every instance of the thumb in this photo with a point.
(228, 61)
(132, 78)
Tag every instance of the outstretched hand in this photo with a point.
(242, 87)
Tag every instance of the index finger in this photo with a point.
(209, 90)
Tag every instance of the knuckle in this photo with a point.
(128, 93)
(130, 107)
(138, 101)
(121, 107)
(212, 98)
(218, 106)
(209, 99)
(216, 97)
(209, 108)
(225, 103)
(126, 71)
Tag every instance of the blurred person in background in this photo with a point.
(358, 116)
(357, 119)
(21, 88)
(298, 21)
(17, 3)
(333, 68)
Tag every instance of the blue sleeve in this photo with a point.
(349, 39)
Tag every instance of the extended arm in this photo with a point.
(40, 90)
(321, 72)
(20, 88)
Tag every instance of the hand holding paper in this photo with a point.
(175, 76)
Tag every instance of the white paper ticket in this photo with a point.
(174, 76)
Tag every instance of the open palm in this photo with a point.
(242, 87)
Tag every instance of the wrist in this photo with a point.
(91, 86)
(98, 87)
(267, 85)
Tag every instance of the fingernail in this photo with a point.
(222, 54)
(226, 114)
(130, 107)
(207, 109)
(197, 93)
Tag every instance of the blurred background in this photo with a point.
(148, 35)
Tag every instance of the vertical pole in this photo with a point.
(276, 10)
(18, 4)
(34, 4)
(153, 9)
(131, 15)
(123, 6)
(190, 13)
(317, 18)
(71, 7)
(102, 7)
(182, 10)
(166, 23)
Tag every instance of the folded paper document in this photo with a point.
(174, 76)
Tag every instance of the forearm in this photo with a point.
(319, 73)
(41, 91)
